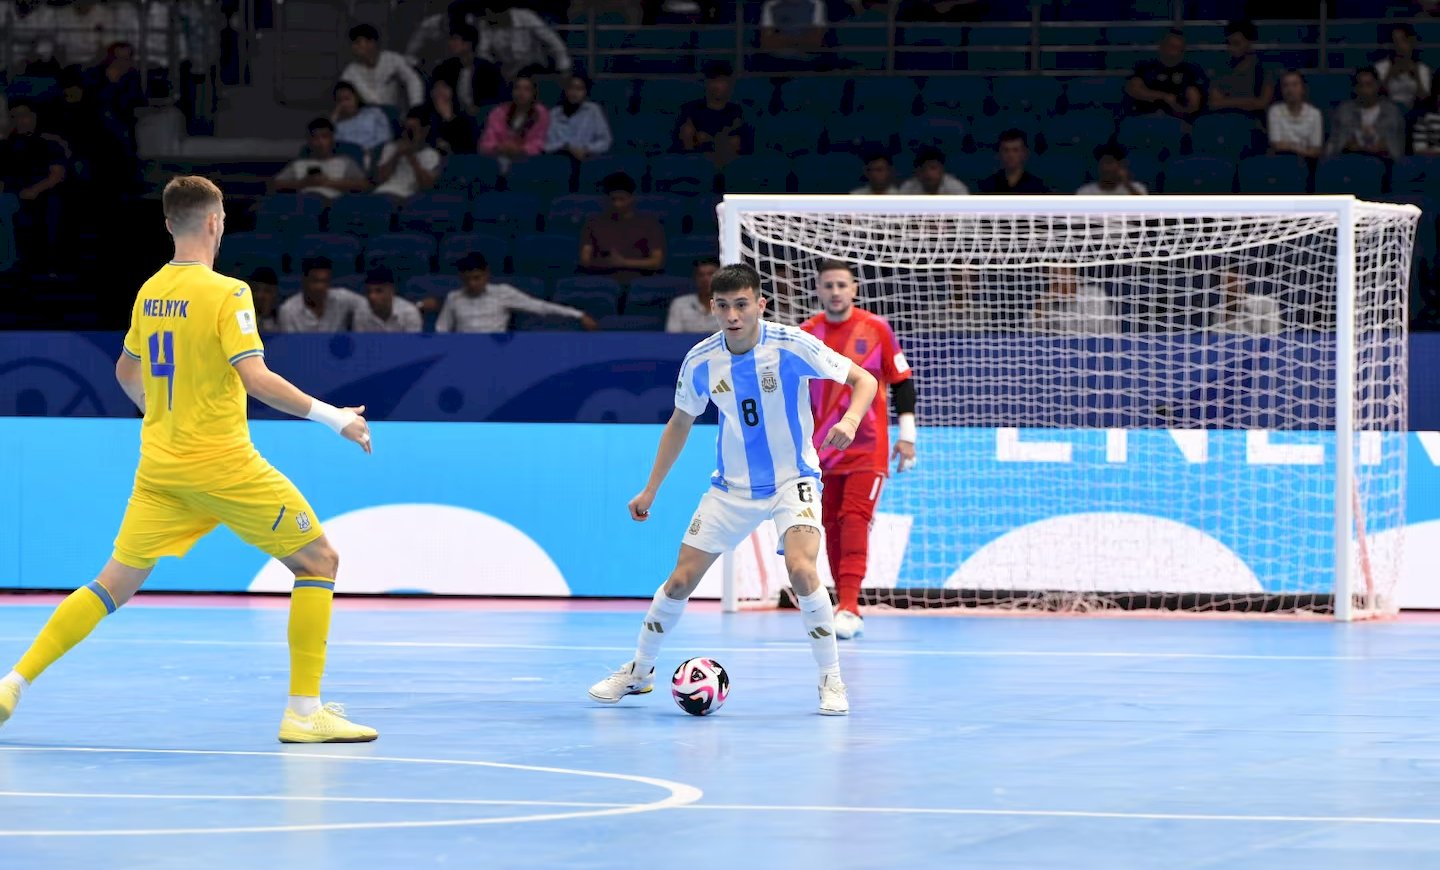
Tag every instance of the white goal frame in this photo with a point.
(1342, 207)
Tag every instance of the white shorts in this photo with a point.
(723, 521)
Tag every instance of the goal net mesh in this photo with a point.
(1130, 411)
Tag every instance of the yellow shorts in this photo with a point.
(263, 508)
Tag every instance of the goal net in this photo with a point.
(1191, 404)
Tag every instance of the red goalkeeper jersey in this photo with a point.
(867, 339)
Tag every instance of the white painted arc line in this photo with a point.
(324, 799)
(1069, 814)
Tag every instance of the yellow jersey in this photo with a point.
(189, 327)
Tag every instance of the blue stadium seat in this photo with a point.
(290, 213)
(756, 93)
(1416, 174)
(407, 254)
(860, 133)
(666, 96)
(1199, 174)
(632, 323)
(701, 216)
(861, 43)
(570, 212)
(1146, 167)
(242, 253)
(985, 130)
(716, 44)
(1062, 171)
(1158, 133)
(595, 295)
(546, 255)
(530, 285)
(343, 250)
(1095, 93)
(1224, 134)
(971, 167)
(1328, 89)
(683, 174)
(947, 132)
(646, 133)
(653, 294)
(884, 95)
(506, 210)
(522, 321)
(828, 173)
(617, 96)
(656, 51)
(469, 174)
(766, 172)
(433, 213)
(39, 89)
(594, 170)
(495, 247)
(791, 133)
(361, 214)
(816, 95)
(1012, 58)
(684, 251)
(1037, 95)
(964, 96)
(1274, 173)
(422, 286)
(544, 175)
(1359, 174)
(1079, 131)
(673, 212)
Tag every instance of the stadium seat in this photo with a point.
(1326, 90)
(1062, 171)
(343, 250)
(947, 132)
(756, 93)
(1157, 133)
(632, 323)
(1094, 93)
(973, 166)
(716, 44)
(791, 133)
(684, 251)
(766, 172)
(860, 133)
(861, 42)
(647, 133)
(406, 254)
(595, 295)
(361, 214)
(1274, 173)
(433, 213)
(1199, 174)
(648, 51)
(242, 253)
(666, 96)
(422, 286)
(290, 213)
(570, 212)
(469, 174)
(673, 212)
(653, 294)
(964, 96)
(546, 255)
(530, 285)
(1228, 135)
(1030, 94)
(495, 247)
(522, 321)
(507, 211)
(1146, 168)
(544, 175)
(828, 173)
(1359, 174)
(701, 216)
(616, 96)
(594, 170)
(815, 95)
(1078, 131)
(1416, 174)
(884, 95)
(682, 174)
(985, 130)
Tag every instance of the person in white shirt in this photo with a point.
(930, 177)
(322, 171)
(318, 307)
(408, 165)
(479, 306)
(1295, 126)
(691, 312)
(381, 78)
(879, 177)
(384, 311)
(1113, 174)
(518, 39)
(1404, 78)
(1243, 312)
(1074, 306)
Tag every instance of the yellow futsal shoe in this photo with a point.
(326, 725)
(9, 700)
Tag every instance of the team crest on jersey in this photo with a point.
(302, 520)
(695, 526)
(860, 345)
(769, 382)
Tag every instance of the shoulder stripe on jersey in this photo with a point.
(129, 352)
(245, 353)
(704, 347)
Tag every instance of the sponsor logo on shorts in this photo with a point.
(769, 382)
(695, 526)
(302, 520)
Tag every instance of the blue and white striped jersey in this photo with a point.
(764, 402)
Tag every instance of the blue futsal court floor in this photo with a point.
(974, 742)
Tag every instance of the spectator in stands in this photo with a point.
(318, 307)
(930, 177)
(879, 176)
(116, 91)
(1367, 124)
(517, 129)
(384, 312)
(1075, 306)
(479, 306)
(1112, 174)
(517, 39)
(34, 168)
(408, 165)
(715, 125)
(792, 34)
(621, 243)
(1013, 177)
(321, 171)
(1243, 312)
(357, 123)
(83, 29)
(1167, 84)
(452, 129)
(1404, 78)
(691, 312)
(577, 125)
(475, 83)
(76, 120)
(1295, 126)
(681, 12)
(1244, 84)
(265, 293)
(381, 78)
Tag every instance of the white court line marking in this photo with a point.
(323, 799)
(777, 647)
(679, 794)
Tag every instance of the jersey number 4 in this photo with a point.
(162, 363)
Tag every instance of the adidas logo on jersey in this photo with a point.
(722, 387)
(808, 513)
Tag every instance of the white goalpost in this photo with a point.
(1179, 404)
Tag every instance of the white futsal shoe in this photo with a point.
(621, 683)
(834, 701)
(848, 625)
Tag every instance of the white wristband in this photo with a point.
(330, 415)
(907, 428)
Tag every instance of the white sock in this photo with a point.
(819, 616)
(303, 705)
(14, 678)
(663, 616)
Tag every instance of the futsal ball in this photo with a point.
(700, 686)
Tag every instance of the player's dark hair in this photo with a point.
(310, 264)
(1111, 149)
(1365, 71)
(473, 262)
(928, 153)
(735, 278)
(1175, 32)
(187, 200)
(320, 124)
(705, 261)
(364, 31)
(467, 33)
(1244, 27)
(618, 181)
(719, 69)
(263, 275)
(420, 114)
(346, 86)
(870, 156)
(835, 266)
(380, 275)
(1013, 134)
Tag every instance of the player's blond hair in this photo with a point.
(187, 200)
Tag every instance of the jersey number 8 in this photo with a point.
(751, 412)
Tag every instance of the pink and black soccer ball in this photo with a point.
(700, 686)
